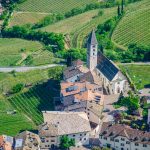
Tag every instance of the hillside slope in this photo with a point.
(134, 27)
(53, 6)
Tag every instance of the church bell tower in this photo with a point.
(92, 47)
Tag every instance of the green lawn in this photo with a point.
(36, 97)
(133, 28)
(140, 74)
(53, 6)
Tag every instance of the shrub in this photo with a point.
(17, 88)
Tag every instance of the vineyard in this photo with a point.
(71, 24)
(79, 35)
(12, 123)
(133, 28)
(21, 18)
(11, 53)
(31, 103)
(36, 97)
(53, 6)
(18, 50)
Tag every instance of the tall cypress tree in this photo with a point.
(122, 6)
(119, 13)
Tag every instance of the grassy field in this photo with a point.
(29, 103)
(21, 18)
(12, 55)
(52, 6)
(140, 74)
(133, 28)
(71, 24)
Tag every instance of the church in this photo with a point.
(110, 76)
(99, 70)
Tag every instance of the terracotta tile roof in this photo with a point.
(69, 88)
(63, 123)
(137, 136)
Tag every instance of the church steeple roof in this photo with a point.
(92, 38)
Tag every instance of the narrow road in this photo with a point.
(136, 63)
(24, 69)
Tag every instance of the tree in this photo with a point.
(66, 143)
(131, 102)
(17, 88)
(122, 6)
(119, 13)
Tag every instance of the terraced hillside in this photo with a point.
(21, 18)
(134, 27)
(16, 52)
(37, 96)
(12, 123)
(71, 24)
(11, 53)
(80, 34)
(53, 6)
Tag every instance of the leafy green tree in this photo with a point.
(131, 102)
(17, 88)
(66, 143)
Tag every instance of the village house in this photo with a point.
(75, 125)
(83, 97)
(122, 137)
(27, 141)
(6, 142)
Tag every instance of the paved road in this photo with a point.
(24, 69)
(136, 63)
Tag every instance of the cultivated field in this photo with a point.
(53, 6)
(21, 18)
(12, 123)
(140, 74)
(29, 103)
(71, 24)
(133, 28)
(81, 33)
(10, 50)
(16, 52)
